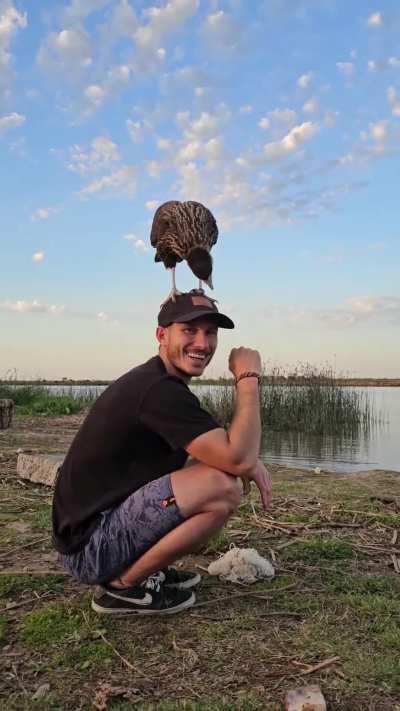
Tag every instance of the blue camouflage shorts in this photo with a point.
(125, 533)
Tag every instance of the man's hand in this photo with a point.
(242, 360)
(261, 476)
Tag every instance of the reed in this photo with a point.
(307, 400)
(38, 400)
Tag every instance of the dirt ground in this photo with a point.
(330, 617)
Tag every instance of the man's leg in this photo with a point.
(206, 498)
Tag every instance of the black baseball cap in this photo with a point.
(187, 307)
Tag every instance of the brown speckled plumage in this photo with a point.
(180, 227)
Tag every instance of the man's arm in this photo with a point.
(235, 450)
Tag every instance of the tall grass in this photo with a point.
(308, 400)
(38, 400)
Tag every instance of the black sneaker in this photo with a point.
(180, 579)
(148, 598)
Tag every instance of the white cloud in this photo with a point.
(122, 22)
(375, 19)
(164, 144)
(163, 21)
(305, 80)
(38, 257)
(223, 32)
(393, 100)
(311, 106)
(283, 117)
(11, 20)
(22, 306)
(137, 243)
(68, 50)
(80, 9)
(121, 182)
(95, 94)
(348, 69)
(13, 120)
(151, 205)
(264, 123)
(43, 213)
(246, 109)
(381, 65)
(291, 142)
(34, 307)
(102, 152)
(379, 131)
(136, 130)
(154, 169)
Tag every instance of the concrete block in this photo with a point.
(305, 698)
(39, 468)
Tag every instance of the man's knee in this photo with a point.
(227, 490)
(203, 488)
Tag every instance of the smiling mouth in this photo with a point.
(197, 358)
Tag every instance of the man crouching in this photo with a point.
(125, 505)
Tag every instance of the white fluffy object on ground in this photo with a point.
(241, 565)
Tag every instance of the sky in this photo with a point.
(281, 116)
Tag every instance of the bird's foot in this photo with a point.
(171, 296)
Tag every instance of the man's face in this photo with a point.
(187, 348)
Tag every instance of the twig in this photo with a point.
(25, 545)
(244, 594)
(115, 650)
(395, 562)
(14, 605)
(321, 665)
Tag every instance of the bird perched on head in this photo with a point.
(184, 230)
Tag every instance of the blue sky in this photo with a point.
(282, 116)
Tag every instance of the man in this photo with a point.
(125, 505)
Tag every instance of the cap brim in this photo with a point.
(220, 319)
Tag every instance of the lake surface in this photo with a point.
(380, 450)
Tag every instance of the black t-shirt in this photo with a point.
(135, 432)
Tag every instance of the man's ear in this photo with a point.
(161, 333)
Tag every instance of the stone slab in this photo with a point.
(305, 698)
(39, 468)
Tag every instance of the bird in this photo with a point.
(184, 230)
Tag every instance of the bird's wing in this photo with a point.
(161, 221)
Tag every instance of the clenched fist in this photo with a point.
(242, 360)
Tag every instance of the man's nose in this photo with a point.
(201, 340)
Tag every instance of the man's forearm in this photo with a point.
(244, 432)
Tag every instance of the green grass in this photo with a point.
(42, 517)
(37, 400)
(51, 625)
(12, 584)
(3, 625)
(85, 655)
(318, 550)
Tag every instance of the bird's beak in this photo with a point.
(209, 282)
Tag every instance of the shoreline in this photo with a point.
(345, 382)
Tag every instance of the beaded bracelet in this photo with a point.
(248, 374)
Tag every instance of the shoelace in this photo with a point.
(154, 581)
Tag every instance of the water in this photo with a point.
(380, 450)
